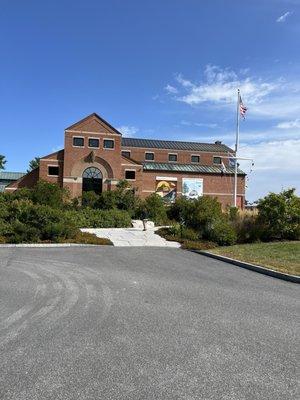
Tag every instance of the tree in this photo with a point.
(280, 215)
(33, 164)
(2, 162)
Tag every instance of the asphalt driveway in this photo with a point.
(142, 323)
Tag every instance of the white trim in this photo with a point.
(89, 147)
(72, 180)
(132, 165)
(166, 178)
(223, 194)
(172, 154)
(92, 133)
(148, 191)
(51, 159)
(108, 148)
(56, 166)
(78, 137)
(8, 188)
(149, 152)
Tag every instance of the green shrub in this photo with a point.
(89, 199)
(222, 233)
(280, 215)
(22, 233)
(49, 194)
(248, 228)
(202, 245)
(89, 218)
(153, 208)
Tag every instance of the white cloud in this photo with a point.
(276, 167)
(171, 89)
(289, 124)
(272, 99)
(199, 124)
(220, 87)
(128, 130)
(284, 16)
(184, 82)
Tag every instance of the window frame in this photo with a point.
(127, 151)
(195, 155)
(78, 137)
(149, 152)
(130, 170)
(110, 140)
(93, 147)
(172, 154)
(220, 163)
(52, 166)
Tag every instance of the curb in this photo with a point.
(251, 267)
(49, 245)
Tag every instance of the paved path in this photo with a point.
(132, 237)
(142, 323)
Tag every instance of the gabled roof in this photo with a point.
(175, 145)
(94, 115)
(189, 168)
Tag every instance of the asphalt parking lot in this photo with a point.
(142, 323)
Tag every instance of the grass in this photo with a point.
(280, 256)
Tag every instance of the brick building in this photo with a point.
(96, 156)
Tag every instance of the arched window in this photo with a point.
(92, 180)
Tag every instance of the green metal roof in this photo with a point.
(11, 176)
(188, 168)
(175, 145)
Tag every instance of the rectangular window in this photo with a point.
(217, 160)
(108, 144)
(173, 157)
(93, 142)
(129, 175)
(149, 156)
(78, 141)
(195, 159)
(53, 171)
(126, 153)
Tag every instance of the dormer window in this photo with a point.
(217, 160)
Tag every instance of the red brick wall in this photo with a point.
(183, 157)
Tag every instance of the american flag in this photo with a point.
(243, 109)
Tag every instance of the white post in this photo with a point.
(236, 147)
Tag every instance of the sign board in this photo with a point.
(166, 189)
(192, 188)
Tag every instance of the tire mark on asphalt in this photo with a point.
(61, 289)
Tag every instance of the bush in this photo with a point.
(222, 233)
(280, 215)
(49, 194)
(152, 208)
(203, 245)
(248, 228)
(89, 218)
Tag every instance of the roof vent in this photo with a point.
(218, 142)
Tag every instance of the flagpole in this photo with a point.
(236, 146)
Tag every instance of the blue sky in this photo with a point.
(161, 69)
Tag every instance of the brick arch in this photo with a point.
(81, 165)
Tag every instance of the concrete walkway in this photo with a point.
(131, 237)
